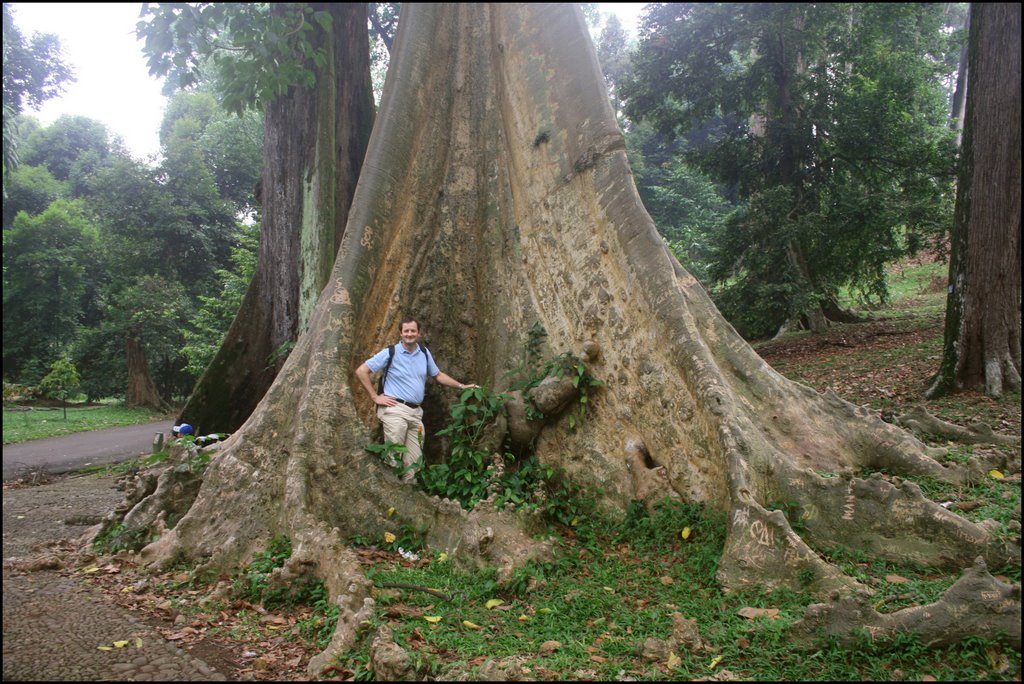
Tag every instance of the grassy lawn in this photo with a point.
(26, 423)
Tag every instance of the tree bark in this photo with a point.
(141, 388)
(496, 194)
(982, 330)
(312, 153)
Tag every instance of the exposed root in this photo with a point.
(761, 550)
(320, 551)
(976, 605)
(888, 519)
(390, 661)
(924, 424)
(154, 500)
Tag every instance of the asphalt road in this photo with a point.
(73, 452)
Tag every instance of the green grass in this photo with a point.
(22, 425)
(917, 286)
(619, 582)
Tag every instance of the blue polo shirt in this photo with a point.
(407, 377)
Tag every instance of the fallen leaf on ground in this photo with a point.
(470, 625)
(751, 613)
(120, 644)
(493, 603)
(896, 579)
(673, 661)
(432, 618)
(550, 646)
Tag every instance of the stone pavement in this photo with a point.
(54, 624)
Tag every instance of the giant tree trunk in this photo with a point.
(982, 333)
(141, 388)
(495, 194)
(312, 152)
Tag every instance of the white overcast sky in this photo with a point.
(114, 85)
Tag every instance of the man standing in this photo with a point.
(406, 367)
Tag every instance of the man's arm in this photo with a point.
(449, 381)
(363, 373)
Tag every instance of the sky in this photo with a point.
(114, 85)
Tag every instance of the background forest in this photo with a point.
(787, 154)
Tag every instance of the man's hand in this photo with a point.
(384, 400)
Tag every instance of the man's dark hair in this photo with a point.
(408, 319)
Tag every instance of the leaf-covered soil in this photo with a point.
(886, 364)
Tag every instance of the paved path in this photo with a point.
(55, 623)
(73, 452)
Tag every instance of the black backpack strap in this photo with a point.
(426, 357)
(384, 375)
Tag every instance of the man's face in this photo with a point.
(410, 333)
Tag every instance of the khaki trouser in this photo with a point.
(404, 425)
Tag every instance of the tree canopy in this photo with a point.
(34, 71)
(829, 122)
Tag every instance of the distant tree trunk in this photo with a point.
(982, 331)
(813, 313)
(958, 106)
(312, 153)
(141, 388)
(786, 68)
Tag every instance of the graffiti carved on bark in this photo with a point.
(496, 193)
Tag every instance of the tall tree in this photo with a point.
(34, 71)
(318, 105)
(982, 333)
(828, 121)
(49, 261)
(66, 145)
(613, 54)
(496, 198)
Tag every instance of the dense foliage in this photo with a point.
(829, 124)
(34, 72)
(783, 151)
(100, 247)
